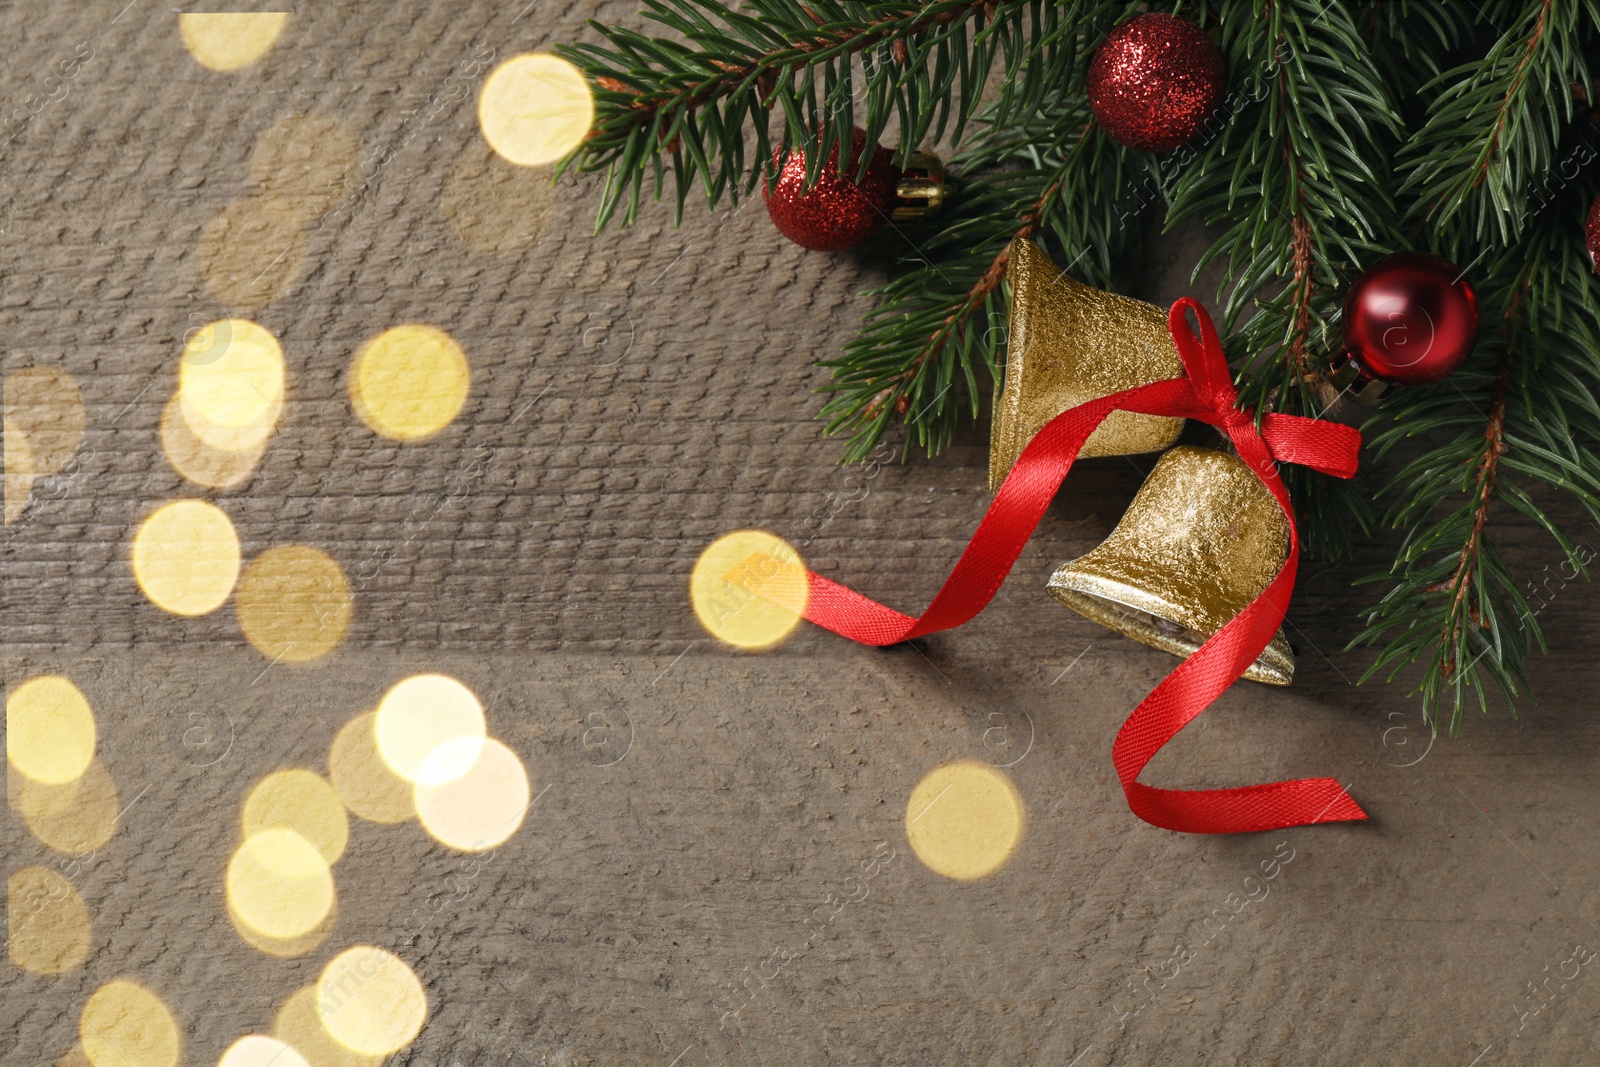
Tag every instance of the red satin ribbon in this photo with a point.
(1206, 394)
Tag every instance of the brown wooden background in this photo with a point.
(635, 395)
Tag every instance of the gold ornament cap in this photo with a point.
(1349, 379)
(919, 194)
(1070, 343)
(1201, 540)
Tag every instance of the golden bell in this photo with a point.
(1201, 540)
(1069, 344)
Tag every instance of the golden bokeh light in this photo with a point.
(749, 589)
(298, 1024)
(217, 467)
(299, 800)
(230, 40)
(370, 1001)
(964, 819)
(258, 1050)
(303, 163)
(364, 781)
(43, 424)
(46, 405)
(480, 809)
(409, 382)
(287, 948)
(231, 379)
(19, 466)
(50, 730)
(186, 557)
(495, 207)
(126, 1025)
(417, 716)
(47, 923)
(535, 108)
(251, 252)
(279, 885)
(36, 799)
(82, 823)
(293, 603)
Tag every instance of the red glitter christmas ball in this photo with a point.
(1410, 319)
(1591, 233)
(1154, 80)
(835, 214)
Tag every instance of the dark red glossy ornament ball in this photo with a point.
(835, 214)
(1154, 81)
(1410, 319)
(1591, 233)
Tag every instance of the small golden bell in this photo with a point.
(1201, 540)
(919, 194)
(1069, 344)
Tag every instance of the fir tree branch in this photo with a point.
(1514, 103)
(957, 322)
(1295, 167)
(939, 327)
(1454, 605)
(704, 108)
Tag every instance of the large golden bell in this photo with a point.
(1069, 344)
(1201, 540)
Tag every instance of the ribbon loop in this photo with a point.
(1207, 393)
(1203, 358)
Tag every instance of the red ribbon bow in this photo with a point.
(1206, 394)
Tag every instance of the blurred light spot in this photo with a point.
(43, 424)
(483, 807)
(38, 800)
(74, 1057)
(256, 1050)
(749, 589)
(126, 1025)
(50, 731)
(303, 163)
(46, 404)
(19, 471)
(279, 885)
(364, 781)
(535, 108)
(964, 819)
(250, 252)
(418, 716)
(297, 1024)
(231, 40)
(409, 382)
(231, 379)
(200, 462)
(293, 603)
(85, 822)
(302, 801)
(494, 207)
(285, 947)
(186, 557)
(370, 1002)
(47, 924)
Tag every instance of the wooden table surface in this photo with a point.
(634, 396)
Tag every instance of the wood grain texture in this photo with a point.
(634, 396)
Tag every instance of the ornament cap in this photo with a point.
(1201, 540)
(920, 192)
(1357, 384)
